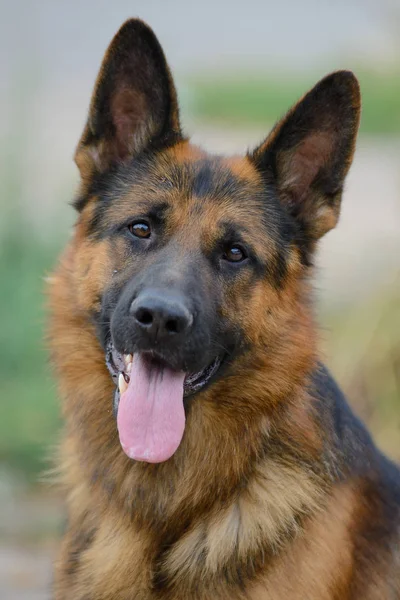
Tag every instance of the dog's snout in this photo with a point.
(160, 316)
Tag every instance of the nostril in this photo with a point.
(172, 326)
(144, 316)
(158, 316)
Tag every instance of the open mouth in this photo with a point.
(120, 367)
(148, 402)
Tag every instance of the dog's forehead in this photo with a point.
(185, 177)
(188, 188)
(198, 174)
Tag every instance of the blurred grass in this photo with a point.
(253, 99)
(363, 351)
(29, 419)
(28, 411)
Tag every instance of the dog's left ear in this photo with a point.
(134, 103)
(308, 153)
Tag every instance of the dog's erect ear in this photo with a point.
(134, 102)
(308, 153)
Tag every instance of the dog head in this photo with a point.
(192, 265)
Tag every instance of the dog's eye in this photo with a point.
(140, 229)
(234, 254)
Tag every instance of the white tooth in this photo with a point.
(128, 359)
(129, 368)
(123, 386)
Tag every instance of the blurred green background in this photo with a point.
(238, 70)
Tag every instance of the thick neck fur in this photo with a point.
(245, 485)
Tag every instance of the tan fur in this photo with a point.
(319, 560)
(264, 509)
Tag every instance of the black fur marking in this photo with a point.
(204, 179)
(82, 540)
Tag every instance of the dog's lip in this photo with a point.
(194, 382)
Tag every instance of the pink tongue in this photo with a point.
(151, 417)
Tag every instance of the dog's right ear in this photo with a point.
(134, 103)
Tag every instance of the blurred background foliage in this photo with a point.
(237, 74)
(240, 99)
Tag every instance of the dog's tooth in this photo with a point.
(128, 358)
(129, 368)
(123, 386)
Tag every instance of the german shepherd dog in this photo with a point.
(208, 454)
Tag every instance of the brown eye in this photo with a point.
(234, 254)
(140, 229)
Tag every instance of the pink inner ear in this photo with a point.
(129, 113)
(306, 160)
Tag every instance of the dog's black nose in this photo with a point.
(161, 315)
